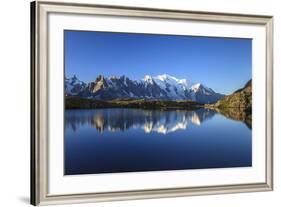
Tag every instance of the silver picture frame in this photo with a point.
(39, 100)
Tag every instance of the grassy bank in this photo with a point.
(82, 103)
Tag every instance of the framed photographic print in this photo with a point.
(133, 103)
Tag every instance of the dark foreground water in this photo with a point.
(131, 140)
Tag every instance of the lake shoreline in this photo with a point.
(235, 113)
(83, 103)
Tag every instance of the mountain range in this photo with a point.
(161, 87)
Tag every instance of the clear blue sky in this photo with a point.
(223, 64)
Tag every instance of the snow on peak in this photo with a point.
(113, 77)
(148, 79)
(73, 85)
(162, 86)
(200, 87)
(164, 77)
(172, 80)
(174, 87)
(195, 87)
(74, 80)
(183, 81)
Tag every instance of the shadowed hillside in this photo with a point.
(237, 106)
(242, 98)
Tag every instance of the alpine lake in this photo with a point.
(115, 140)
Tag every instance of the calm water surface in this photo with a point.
(131, 140)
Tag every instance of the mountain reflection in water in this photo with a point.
(123, 119)
(131, 140)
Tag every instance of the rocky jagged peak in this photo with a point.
(124, 78)
(73, 79)
(99, 84)
(100, 78)
(73, 85)
(164, 87)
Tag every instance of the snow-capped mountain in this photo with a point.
(163, 87)
(73, 86)
(176, 88)
(203, 94)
